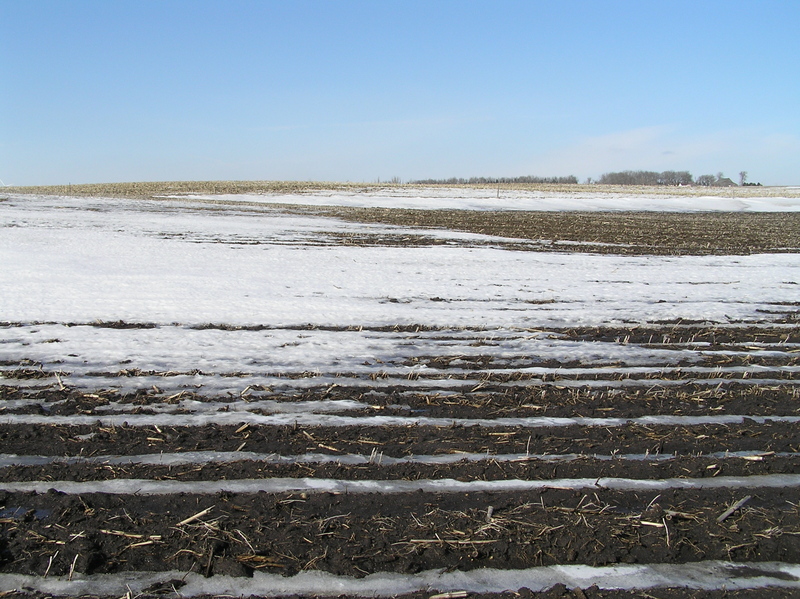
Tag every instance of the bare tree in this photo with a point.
(742, 178)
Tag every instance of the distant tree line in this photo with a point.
(673, 178)
(668, 178)
(493, 180)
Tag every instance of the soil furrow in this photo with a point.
(360, 534)
(475, 401)
(91, 440)
(526, 469)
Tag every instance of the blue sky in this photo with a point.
(117, 90)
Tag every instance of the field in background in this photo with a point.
(151, 189)
(640, 232)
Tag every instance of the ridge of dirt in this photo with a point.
(488, 469)
(358, 534)
(401, 441)
(484, 400)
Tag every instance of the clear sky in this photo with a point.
(338, 90)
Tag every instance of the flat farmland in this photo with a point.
(361, 391)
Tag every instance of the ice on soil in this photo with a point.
(377, 458)
(127, 486)
(310, 419)
(704, 575)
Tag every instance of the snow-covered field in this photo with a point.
(81, 261)
(181, 266)
(225, 310)
(467, 198)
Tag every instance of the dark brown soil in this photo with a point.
(359, 534)
(629, 232)
(402, 441)
(356, 534)
(522, 468)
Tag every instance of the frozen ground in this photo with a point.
(704, 575)
(84, 260)
(489, 199)
(180, 266)
(226, 315)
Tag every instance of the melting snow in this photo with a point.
(326, 485)
(707, 575)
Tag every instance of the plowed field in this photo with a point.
(633, 457)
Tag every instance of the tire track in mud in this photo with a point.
(489, 456)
